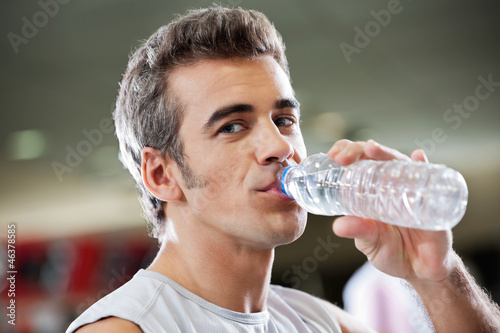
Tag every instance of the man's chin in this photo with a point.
(295, 228)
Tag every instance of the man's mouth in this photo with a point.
(273, 189)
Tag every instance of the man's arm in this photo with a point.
(110, 325)
(457, 303)
(425, 259)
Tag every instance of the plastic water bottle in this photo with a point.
(409, 194)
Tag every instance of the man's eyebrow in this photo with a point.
(225, 112)
(285, 103)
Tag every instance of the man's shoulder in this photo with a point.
(121, 310)
(110, 325)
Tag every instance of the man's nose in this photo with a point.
(272, 146)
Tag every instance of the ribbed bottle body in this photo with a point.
(411, 194)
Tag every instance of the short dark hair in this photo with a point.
(147, 114)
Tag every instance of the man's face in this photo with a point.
(240, 126)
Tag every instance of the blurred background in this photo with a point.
(409, 74)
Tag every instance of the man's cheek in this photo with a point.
(224, 176)
(217, 190)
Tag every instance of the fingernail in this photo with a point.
(345, 153)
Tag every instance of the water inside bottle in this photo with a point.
(412, 195)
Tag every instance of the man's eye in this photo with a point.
(231, 128)
(283, 122)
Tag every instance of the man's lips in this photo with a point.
(273, 189)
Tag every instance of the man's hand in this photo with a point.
(397, 251)
(424, 258)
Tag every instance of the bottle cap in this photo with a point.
(281, 176)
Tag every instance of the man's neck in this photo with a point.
(224, 273)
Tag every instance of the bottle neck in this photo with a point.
(283, 176)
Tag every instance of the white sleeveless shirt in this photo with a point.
(158, 304)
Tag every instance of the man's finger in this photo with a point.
(338, 147)
(419, 156)
(355, 227)
(376, 151)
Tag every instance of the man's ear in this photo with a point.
(158, 175)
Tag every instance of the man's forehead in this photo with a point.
(212, 83)
(213, 70)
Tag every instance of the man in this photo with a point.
(206, 117)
